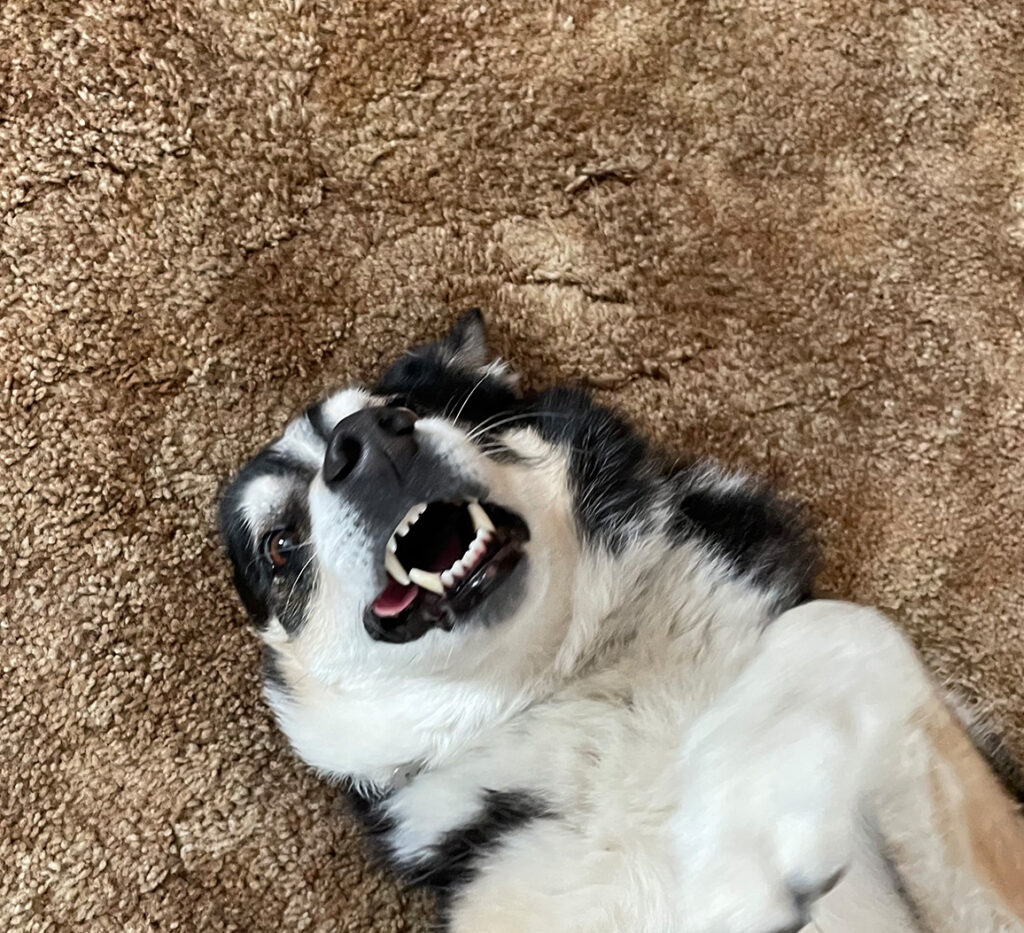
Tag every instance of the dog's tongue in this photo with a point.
(394, 598)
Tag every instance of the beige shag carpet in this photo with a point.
(786, 232)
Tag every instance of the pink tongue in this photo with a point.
(394, 598)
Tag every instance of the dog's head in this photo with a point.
(423, 556)
(409, 525)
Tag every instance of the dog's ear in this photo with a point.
(460, 359)
(464, 348)
(465, 345)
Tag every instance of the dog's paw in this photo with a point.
(766, 821)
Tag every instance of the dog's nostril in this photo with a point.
(369, 440)
(343, 453)
(396, 421)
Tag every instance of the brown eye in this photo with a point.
(279, 546)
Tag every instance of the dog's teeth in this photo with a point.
(395, 568)
(392, 544)
(428, 581)
(458, 570)
(448, 578)
(481, 520)
(484, 535)
(410, 519)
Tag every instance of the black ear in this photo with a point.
(465, 348)
(457, 367)
(465, 345)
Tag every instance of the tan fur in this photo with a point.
(858, 694)
(978, 826)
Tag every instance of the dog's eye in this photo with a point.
(279, 546)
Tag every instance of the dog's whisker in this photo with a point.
(469, 395)
(487, 427)
(295, 583)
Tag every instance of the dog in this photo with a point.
(575, 686)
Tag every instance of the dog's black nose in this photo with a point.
(371, 439)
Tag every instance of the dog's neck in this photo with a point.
(391, 725)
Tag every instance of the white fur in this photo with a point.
(697, 763)
(262, 501)
(341, 404)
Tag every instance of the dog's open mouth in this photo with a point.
(442, 561)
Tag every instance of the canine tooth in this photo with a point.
(458, 570)
(395, 568)
(481, 520)
(392, 544)
(447, 578)
(429, 581)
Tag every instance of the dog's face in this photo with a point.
(408, 526)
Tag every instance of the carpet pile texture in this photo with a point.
(788, 233)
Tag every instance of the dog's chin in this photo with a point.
(485, 592)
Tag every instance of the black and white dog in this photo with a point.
(579, 689)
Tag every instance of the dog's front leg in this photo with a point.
(781, 775)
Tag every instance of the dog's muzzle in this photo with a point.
(442, 550)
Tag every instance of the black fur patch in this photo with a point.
(371, 811)
(762, 538)
(271, 670)
(456, 858)
(317, 421)
(615, 483)
(263, 589)
(618, 484)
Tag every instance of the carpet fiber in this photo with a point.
(789, 233)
